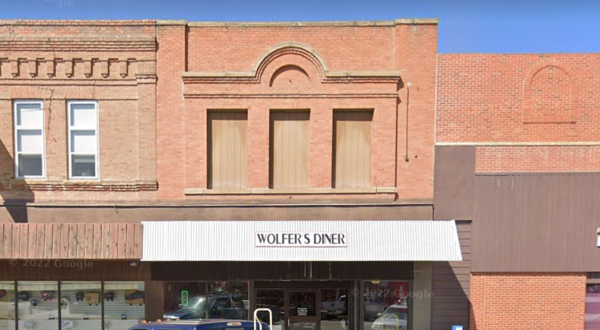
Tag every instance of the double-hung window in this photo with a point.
(83, 139)
(29, 139)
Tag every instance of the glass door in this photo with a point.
(273, 299)
(302, 309)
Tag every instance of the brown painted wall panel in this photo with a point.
(227, 150)
(454, 182)
(106, 215)
(537, 223)
(352, 155)
(41, 241)
(451, 286)
(289, 149)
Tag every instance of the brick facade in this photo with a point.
(527, 301)
(505, 159)
(110, 62)
(333, 67)
(528, 115)
(516, 108)
(155, 81)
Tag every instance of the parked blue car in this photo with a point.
(199, 325)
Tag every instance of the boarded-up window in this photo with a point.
(352, 149)
(289, 149)
(227, 150)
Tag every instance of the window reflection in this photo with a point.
(334, 309)
(275, 301)
(214, 300)
(386, 305)
(185, 300)
(229, 300)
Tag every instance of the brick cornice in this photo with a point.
(61, 185)
(79, 44)
(291, 96)
(28, 22)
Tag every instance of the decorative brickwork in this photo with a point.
(550, 93)
(493, 98)
(113, 63)
(535, 301)
(258, 68)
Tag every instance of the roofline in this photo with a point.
(540, 54)
(401, 21)
(71, 22)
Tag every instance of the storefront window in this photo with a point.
(273, 299)
(228, 300)
(81, 305)
(213, 300)
(7, 305)
(123, 304)
(386, 305)
(334, 309)
(38, 305)
(592, 307)
(185, 300)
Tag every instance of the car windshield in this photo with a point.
(195, 304)
(396, 312)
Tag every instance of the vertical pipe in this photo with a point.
(16, 307)
(59, 307)
(102, 304)
(206, 295)
(410, 303)
(361, 305)
(252, 297)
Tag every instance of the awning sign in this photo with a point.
(294, 239)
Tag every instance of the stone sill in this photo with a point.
(309, 191)
(78, 185)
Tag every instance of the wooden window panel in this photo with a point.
(289, 149)
(352, 149)
(227, 150)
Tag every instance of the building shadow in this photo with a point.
(15, 195)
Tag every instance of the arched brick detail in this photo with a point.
(291, 48)
(295, 75)
(546, 107)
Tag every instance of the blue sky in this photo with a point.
(466, 26)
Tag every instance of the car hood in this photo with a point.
(389, 321)
(178, 314)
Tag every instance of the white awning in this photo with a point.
(307, 240)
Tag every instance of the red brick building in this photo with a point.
(303, 158)
(171, 169)
(516, 153)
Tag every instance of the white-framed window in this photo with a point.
(83, 139)
(29, 139)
